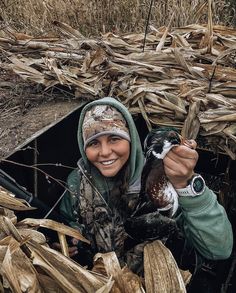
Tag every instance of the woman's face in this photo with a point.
(108, 153)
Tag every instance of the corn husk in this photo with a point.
(161, 271)
(124, 279)
(184, 78)
(8, 200)
(28, 264)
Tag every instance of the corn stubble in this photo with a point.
(28, 264)
(185, 77)
(96, 16)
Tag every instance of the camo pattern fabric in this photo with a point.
(101, 120)
(103, 225)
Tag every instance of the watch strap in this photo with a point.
(187, 191)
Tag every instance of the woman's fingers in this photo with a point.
(56, 246)
(181, 155)
(190, 143)
(73, 250)
(74, 241)
(179, 164)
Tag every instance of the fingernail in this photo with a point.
(75, 241)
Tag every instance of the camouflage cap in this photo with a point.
(103, 119)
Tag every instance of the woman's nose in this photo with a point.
(105, 149)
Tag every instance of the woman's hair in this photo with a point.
(124, 178)
(118, 195)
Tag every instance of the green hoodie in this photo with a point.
(136, 159)
(69, 204)
(202, 219)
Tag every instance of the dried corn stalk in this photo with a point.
(124, 280)
(185, 76)
(8, 200)
(162, 274)
(27, 264)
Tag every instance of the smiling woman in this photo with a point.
(104, 199)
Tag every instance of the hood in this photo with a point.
(136, 159)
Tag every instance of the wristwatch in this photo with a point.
(196, 186)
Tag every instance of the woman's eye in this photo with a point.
(115, 138)
(92, 143)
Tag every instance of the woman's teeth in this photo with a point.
(108, 162)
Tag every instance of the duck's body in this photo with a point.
(155, 184)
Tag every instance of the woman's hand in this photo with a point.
(73, 250)
(180, 162)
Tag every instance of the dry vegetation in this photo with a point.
(95, 16)
(185, 74)
(184, 78)
(28, 264)
(113, 65)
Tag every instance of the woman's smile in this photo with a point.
(107, 163)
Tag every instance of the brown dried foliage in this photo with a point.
(95, 16)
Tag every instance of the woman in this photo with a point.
(105, 188)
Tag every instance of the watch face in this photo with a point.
(198, 184)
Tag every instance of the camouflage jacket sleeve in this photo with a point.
(69, 203)
(206, 225)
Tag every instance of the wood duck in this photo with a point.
(152, 219)
(154, 183)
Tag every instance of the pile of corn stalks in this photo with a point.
(185, 77)
(28, 264)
